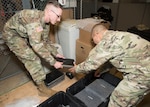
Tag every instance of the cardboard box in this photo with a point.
(85, 36)
(82, 51)
(67, 14)
(86, 26)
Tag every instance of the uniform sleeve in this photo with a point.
(97, 57)
(34, 31)
(106, 50)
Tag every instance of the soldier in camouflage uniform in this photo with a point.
(130, 54)
(27, 35)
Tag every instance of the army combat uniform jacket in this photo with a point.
(130, 54)
(27, 36)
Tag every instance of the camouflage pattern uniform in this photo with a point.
(130, 54)
(27, 36)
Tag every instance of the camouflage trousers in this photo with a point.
(130, 91)
(27, 56)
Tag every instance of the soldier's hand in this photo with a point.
(58, 65)
(60, 56)
(97, 73)
(73, 68)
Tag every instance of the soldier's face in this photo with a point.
(55, 15)
(96, 36)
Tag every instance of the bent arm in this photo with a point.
(34, 31)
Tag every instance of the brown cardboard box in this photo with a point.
(82, 51)
(67, 14)
(85, 36)
(86, 26)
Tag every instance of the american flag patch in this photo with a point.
(39, 29)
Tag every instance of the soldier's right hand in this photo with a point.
(73, 68)
(58, 65)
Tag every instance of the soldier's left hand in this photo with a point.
(58, 65)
